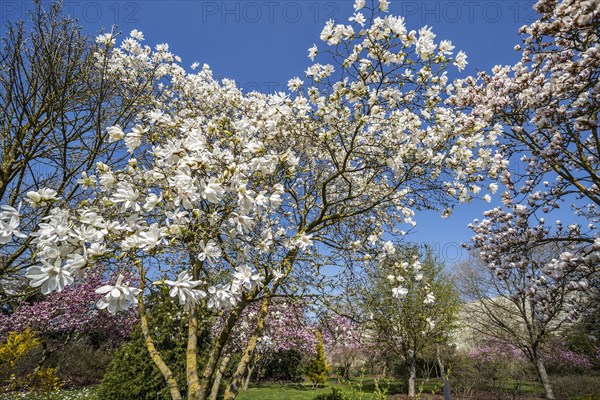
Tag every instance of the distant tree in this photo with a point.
(502, 306)
(422, 311)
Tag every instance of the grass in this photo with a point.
(357, 388)
(88, 393)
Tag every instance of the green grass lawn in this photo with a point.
(78, 394)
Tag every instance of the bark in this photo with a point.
(248, 376)
(218, 377)
(154, 353)
(541, 370)
(217, 350)
(191, 363)
(412, 376)
(236, 380)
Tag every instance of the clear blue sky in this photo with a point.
(262, 44)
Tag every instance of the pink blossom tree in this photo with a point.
(548, 105)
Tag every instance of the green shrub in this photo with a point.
(576, 386)
(336, 394)
(132, 375)
(284, 365)
(317, 368)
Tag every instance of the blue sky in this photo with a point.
(262, 44)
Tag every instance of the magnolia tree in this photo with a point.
(421, 313)
(548, 105)
(505, 306)
(226, 196)
(346, 343)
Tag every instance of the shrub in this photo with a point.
(18, 369)
(317, 368)
(284, 365)
(335, 394)
(576, 386)
(132, 375)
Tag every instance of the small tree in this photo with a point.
(317, 368)
(420, 314)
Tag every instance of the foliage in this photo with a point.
(336, 394)
(421, 314)
(18, 372)
(317, 368)
(284, 365)
(131, 375)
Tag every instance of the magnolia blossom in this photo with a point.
(399, 292)
(184, 288)
(51, 277)
(118, 297)
(41, 197)
(209, 251)
(9, 224)
(246, 277)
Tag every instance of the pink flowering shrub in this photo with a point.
(72, 310)
(560, 358)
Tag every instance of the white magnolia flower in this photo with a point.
(399, 292)
(209, 251)
(359, 4)
(127, 195)
(184, 289)
(243, 223)
(429, 299)
(304, 241)
(41, 197)
(133, 139)
(212, 190)
(312, 52)
(9, 224)
(461, 60)
(118, 297)
(115, 133)
(246, 277)
(153, 236)
(51, 277)
(221, 297)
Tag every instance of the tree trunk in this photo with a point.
(191, 361)
(541, 370)
(248, 376)
(412, 376)
(236, 380)
(217, 349)
(214, 392)
(154, 354)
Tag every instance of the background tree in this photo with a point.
(422, 311)
(57, 96)
(548, 105)
(502, 306)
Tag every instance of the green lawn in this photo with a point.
(79, 394)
